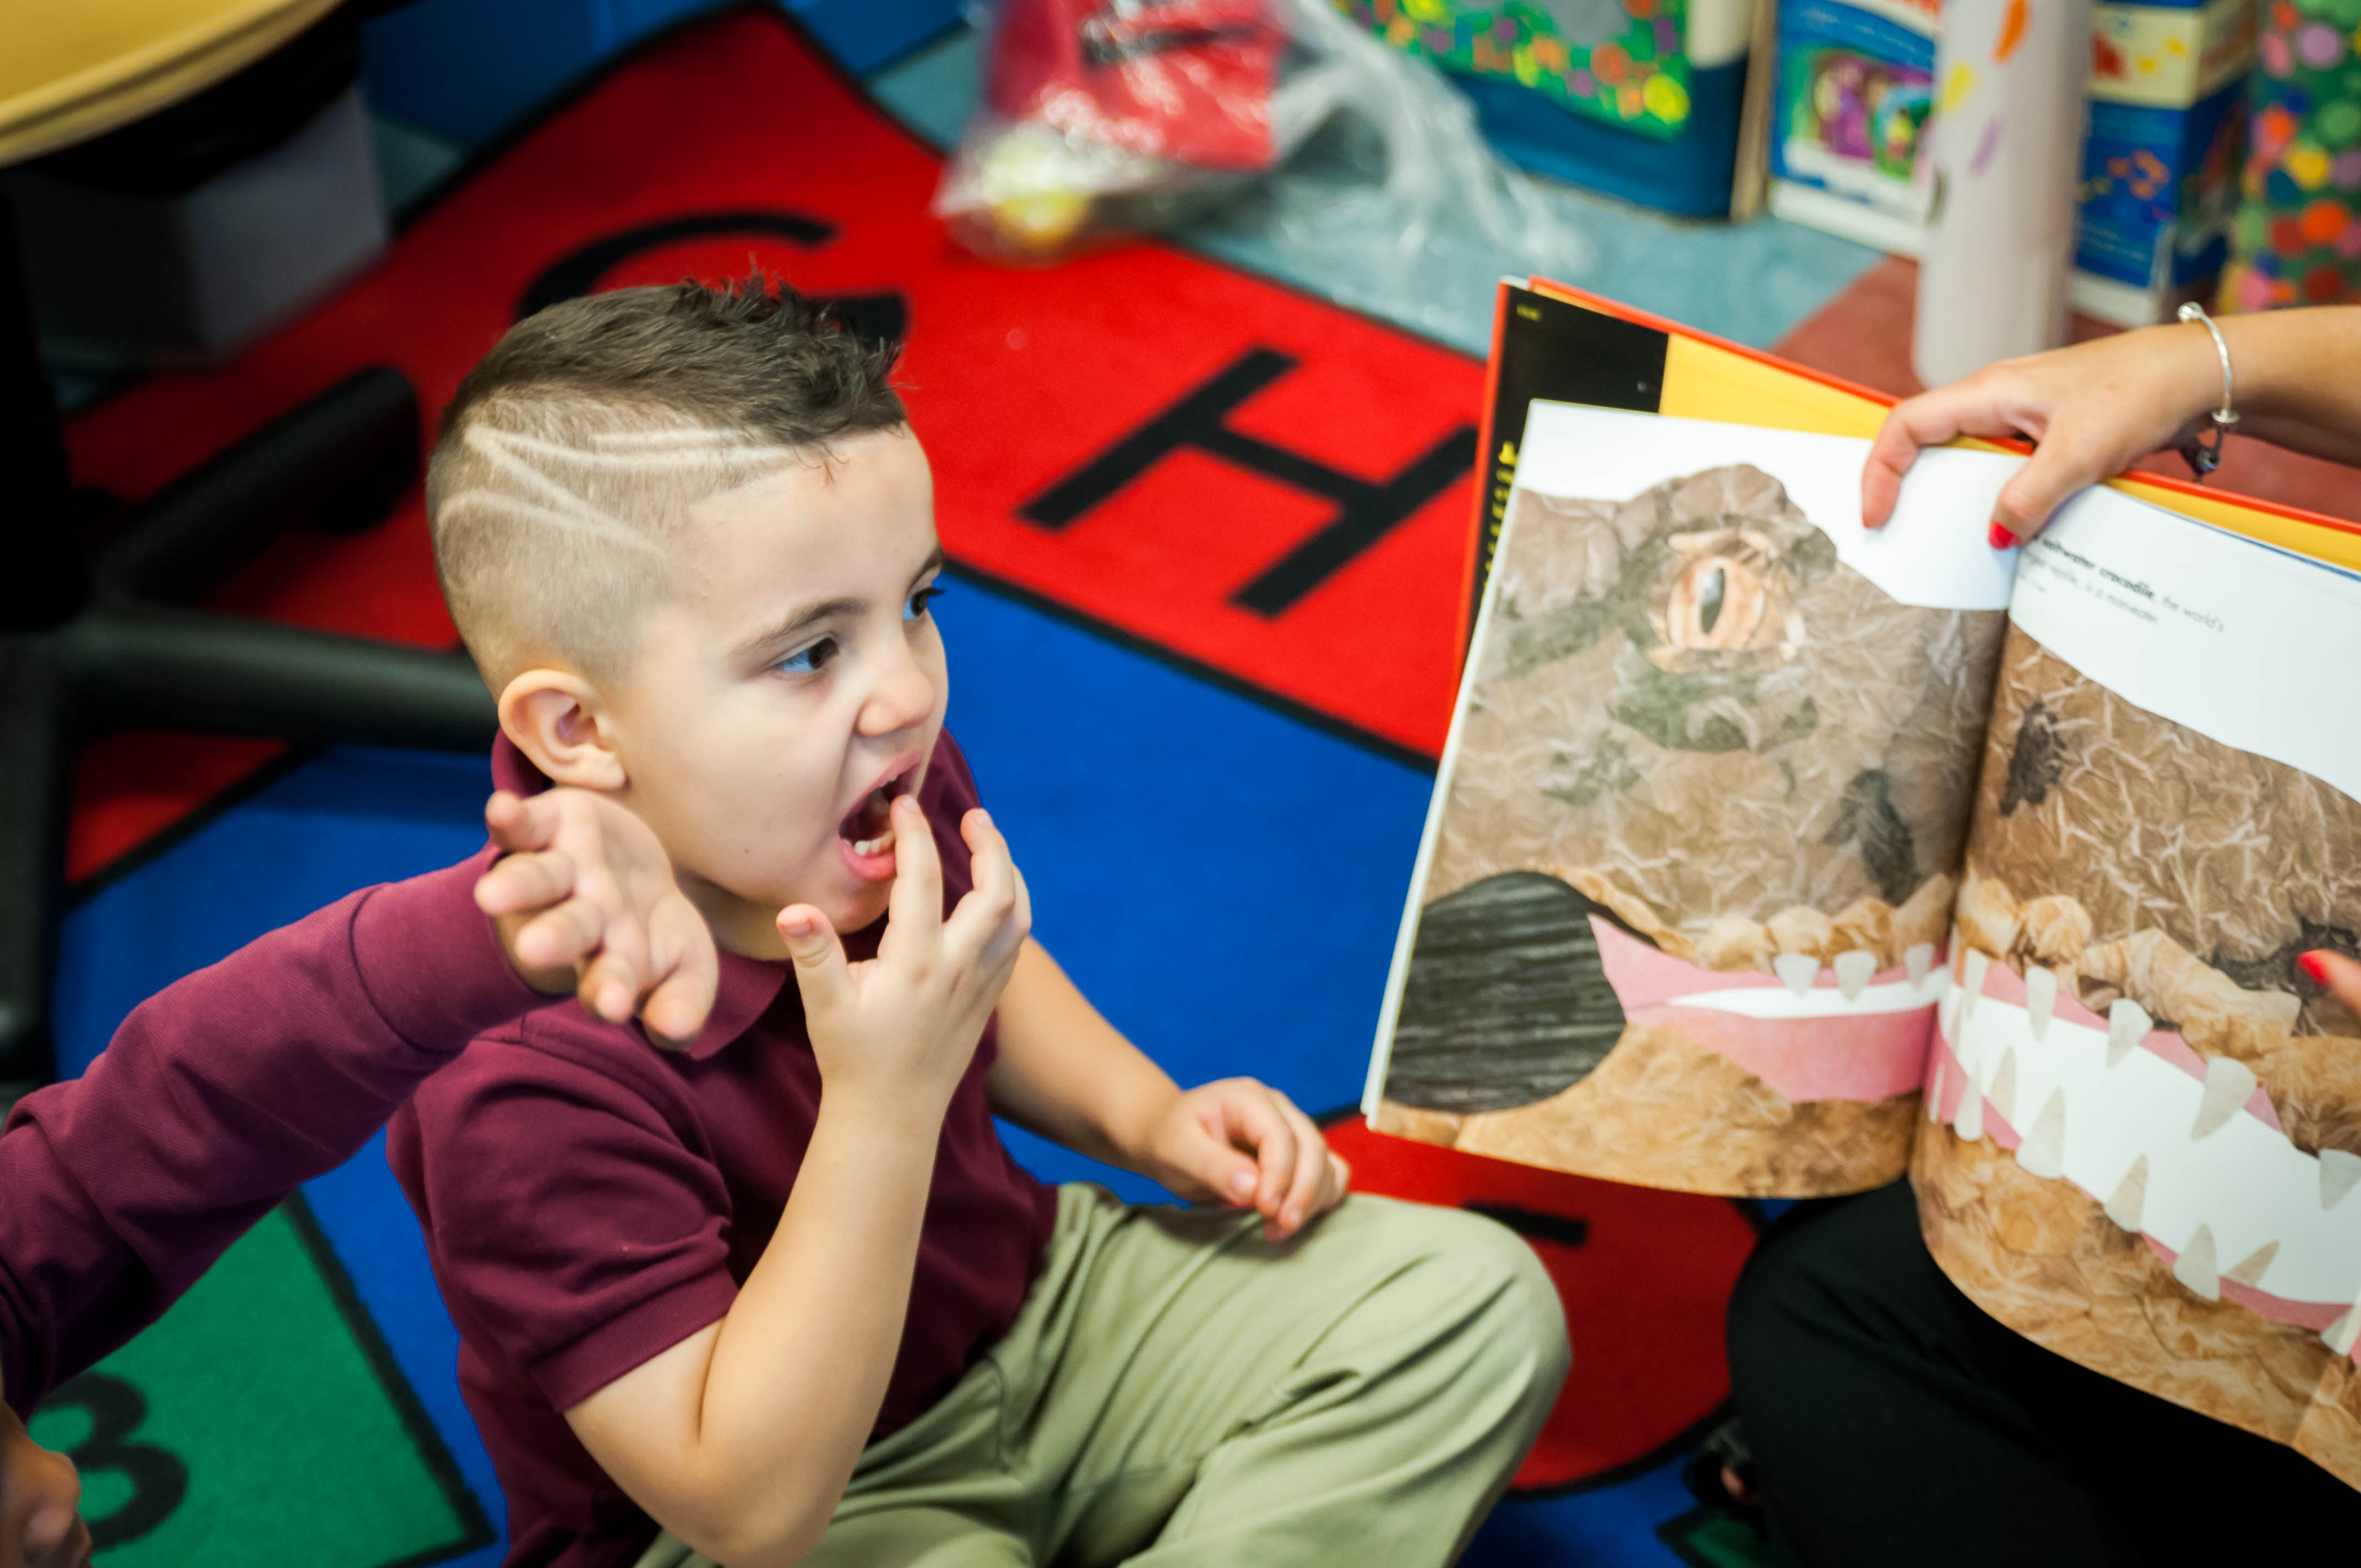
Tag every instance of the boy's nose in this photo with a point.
(903, 699)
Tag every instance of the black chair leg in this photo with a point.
(137, 666)
(337, 461)
(36, 782)
(46, 580)
(88, 645)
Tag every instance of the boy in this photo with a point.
(223, 1092)
(785, 1295)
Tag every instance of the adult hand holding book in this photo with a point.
(2096, 409)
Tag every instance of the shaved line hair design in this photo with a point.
(561, 483)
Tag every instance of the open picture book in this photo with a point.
(1771, 855)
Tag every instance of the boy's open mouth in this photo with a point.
(868, 827)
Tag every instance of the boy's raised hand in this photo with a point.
(585, 901)
(897, 1032)
(1243, 1143)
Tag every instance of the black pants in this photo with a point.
(1892, 1422)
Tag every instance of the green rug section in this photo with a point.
(1715, 1537)
(262, 1420)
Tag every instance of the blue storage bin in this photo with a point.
(470, 69)
(1689, 174)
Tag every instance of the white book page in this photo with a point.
(1933, 553)
(2239, 641)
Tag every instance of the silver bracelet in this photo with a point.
(2204, 455)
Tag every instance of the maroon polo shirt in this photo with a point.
(216, 1098)
(590, 1202)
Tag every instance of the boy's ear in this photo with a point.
(554, 718)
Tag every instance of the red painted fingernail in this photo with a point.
(2001, 539)
(2315, 965)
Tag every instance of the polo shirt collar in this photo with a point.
(747, 986)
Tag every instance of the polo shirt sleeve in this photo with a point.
(216, 1098)
(953, 783)
(577, 1231)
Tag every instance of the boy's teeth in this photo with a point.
(877, 846)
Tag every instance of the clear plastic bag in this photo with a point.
(1101, 119)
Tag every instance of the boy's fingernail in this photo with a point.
(797, 929)
(1242, 1184)
(2001, 539)
(2315, 964)
(1291, 1217)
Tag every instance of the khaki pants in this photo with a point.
(1177, 1391)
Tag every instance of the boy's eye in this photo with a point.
(914, 608)
(812, 660)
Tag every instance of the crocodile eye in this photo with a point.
(1717, 602)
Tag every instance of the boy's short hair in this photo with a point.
(570, 456)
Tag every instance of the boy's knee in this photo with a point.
(1532, 1315)
(1512, 1313)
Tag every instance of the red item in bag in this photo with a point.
(1184, 81)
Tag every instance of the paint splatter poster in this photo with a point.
(1622, 62)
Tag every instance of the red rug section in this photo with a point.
(1015, 379)
(1646, 1278)
(1863, 334)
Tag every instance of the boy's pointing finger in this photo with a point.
(522, 883)
(682, 1001)
(914, 908)
(986, 917)
(560, 938)
(518, 823)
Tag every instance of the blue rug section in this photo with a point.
(1611, 1526)
(1222, 879)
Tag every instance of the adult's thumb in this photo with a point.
(821, 973)
(2045, 483)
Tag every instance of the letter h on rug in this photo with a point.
(1365, 510)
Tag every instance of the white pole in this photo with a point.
(2006, 141)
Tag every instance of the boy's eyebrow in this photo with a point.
(811, 615)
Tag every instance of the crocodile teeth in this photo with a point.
(1935, 1095)
(2003, 1092)
(2127, 1025)
(1972, 981)
(2131, 1196)
(2338, 1171)
(1798, 970)
(2043, 1152)
(2040, 996)
(2229, 1084)
(2196, 1266)
(1853, 970)
(1946, 1015)
(2249, 1270)
(1970, 1124)
(1919, 960)
(2342, 1334)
